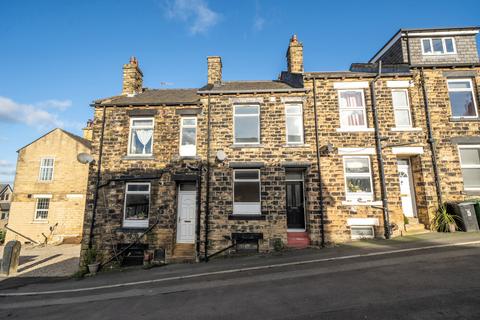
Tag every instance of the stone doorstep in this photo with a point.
(415, 228)
(183, 253)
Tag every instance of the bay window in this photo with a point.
(352, 109)
(246, 191)
(141, 137)
(358, 178)
(462, 98)
(137, 205)
(246, 124)
(470, 164)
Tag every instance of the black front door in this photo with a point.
(295, 203)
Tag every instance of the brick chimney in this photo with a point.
(88, 130)
(214, 70)
(295, 55)
(132, 78)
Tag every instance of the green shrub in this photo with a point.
(277, 244)
(443, 220)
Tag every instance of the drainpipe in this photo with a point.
(431, 140)
(97, 183)
(207, 178)
(320, 183)
(378, 144)
(199, 208)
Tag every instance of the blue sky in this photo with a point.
(58, 56)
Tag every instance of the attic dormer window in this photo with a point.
(436, 46)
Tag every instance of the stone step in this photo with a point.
(298, 240)
(413, 220)
(183, 253)
(415, 228)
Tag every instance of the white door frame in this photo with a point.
(179, 207)
(411, 187)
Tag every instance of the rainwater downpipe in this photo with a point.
(431, 140)
(320, 183)
(378, 144)
(97, 182)
(207, 183)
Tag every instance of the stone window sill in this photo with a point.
(367, 203)
(40, 221)
(246, 217)
(300, 145)
(239, 145)
(406, 129)
(355, 130)
(131, 229)
(138, 158)
(454, 119)
(472, 192)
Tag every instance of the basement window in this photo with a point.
(462, 100)
(437, 46)
(470, 164)
(362, 232)
(140, 137)
(246, 191)
(137, 205)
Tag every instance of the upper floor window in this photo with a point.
(41, 209)
(46, 169)
(246, 124)
(401, 108)
(462, 99)
(246, 191)
(137, 205)
(294, 121)
(188, 136)
(358, 178)
(470, 164)
(352, 109)
(141, 137)
(432, 46)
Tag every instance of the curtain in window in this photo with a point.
(144, 136)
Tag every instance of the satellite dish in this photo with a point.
(84, 158)
(221, 156)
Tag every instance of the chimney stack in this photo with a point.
(132, 78)
(214, 70)
(295, 55)
(88, 131)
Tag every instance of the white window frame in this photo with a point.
(363, 109)
(129, 153)
(188, 151)
(354, 197)
(359, 237)
(37, 210)
(444, 46)
(468, 166)
(246, 115)
(402, 108)
(463, 90)
(137, 223)
(248, 208)
(42, 167)
(294, 115)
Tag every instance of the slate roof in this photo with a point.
(153, 97)
(249, 86)
(3, 186)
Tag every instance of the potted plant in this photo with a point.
(443, 221)
(91, 260)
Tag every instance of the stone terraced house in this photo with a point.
(308, 159)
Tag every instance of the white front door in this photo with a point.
(186, 216)
(407, 194)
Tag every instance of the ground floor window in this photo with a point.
(41, 209)
(358, 178)
(470, 164)
(137, 205)
(246, 191)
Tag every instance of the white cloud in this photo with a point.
(196, 13)
(61, 105)
(258, 20)
(29, 114)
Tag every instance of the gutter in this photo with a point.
(320, 183)
(378, 144)
(431, 140)
(251, 91)
(97, 183)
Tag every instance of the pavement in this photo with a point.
(430, 276)
(45, 261)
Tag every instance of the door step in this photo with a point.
(183, 253)
(416, 228)
(298, 240)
